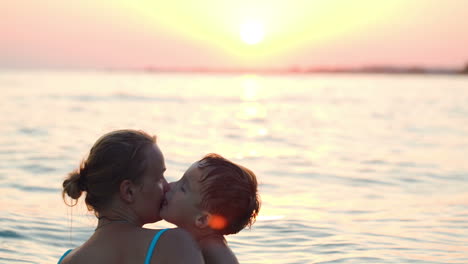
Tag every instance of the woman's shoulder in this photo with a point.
(176, 237)
(180, 234)
(178, 246)
(170, 234)
(171, 246)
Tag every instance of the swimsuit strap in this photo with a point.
(156, 237)
(63, 256)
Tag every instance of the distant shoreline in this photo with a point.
(273, 71)
(309, 71)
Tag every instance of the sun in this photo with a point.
(252, 32)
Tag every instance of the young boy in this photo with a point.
(215, 197)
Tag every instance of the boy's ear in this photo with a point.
(202, 220)
(127, 191)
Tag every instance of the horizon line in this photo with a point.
(369, 69)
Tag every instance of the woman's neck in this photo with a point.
(118, 214)
(105, 221)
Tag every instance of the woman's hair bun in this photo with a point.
(73, 186)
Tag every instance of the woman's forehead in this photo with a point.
(156, 158)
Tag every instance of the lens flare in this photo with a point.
(217, 222)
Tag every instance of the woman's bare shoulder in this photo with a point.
(172, 235)
(181, 234)
(179, 247)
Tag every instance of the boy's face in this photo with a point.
(182, 205)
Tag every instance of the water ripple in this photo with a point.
(26, 188)
(354, 260)
(115, 97)
(11, 260)
(10, 234)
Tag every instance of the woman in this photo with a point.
(123, 178)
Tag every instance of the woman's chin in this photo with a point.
(163, 204)
(165, 217)
(153, 220)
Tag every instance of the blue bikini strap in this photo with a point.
(63, 256)
(149, 254)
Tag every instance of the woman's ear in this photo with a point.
(126, 191)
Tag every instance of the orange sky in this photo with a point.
(206, 33)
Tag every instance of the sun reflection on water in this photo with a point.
(250, 108)
(251, 117)
(251, 85)
(252, 111)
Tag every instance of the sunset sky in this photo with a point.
(228, 34)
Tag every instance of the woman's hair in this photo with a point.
(116, 156)
(229, 191)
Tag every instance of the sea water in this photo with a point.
(352, 168)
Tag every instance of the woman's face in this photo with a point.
(151, 191)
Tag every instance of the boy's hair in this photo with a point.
(229, 192)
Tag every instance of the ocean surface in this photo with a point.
(352, 168)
